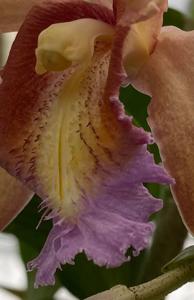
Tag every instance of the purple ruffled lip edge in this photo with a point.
(108, 227)
(81, 237)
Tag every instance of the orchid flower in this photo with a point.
(64, 132)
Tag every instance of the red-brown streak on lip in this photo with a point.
(21, 87)
(25, 97)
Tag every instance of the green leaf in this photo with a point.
(183, 258)
(135, 105)
(175, 18)
(167, 241)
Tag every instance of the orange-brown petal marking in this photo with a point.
(13, 197)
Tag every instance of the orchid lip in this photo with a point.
(70, 140)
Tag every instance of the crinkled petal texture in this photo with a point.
(67, 138)
(168, 78)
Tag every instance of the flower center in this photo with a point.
(64, 44)
(68, 152)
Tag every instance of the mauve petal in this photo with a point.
(77, 140)
(13, 12)
(168, 78)
(13, 197)
(111, 222)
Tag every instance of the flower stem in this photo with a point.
(164, 284)
(155, 289)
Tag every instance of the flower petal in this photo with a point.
(107, 3)
(134, 11)
(71, 142)
(140, 43)
(28, 96)
(168, 77)
(14, 196)
(12, 13)
(144, 20)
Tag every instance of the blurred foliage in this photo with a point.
(84, 278)
(183, 258)
(191, 9)
(175, 18)
(165, 244)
